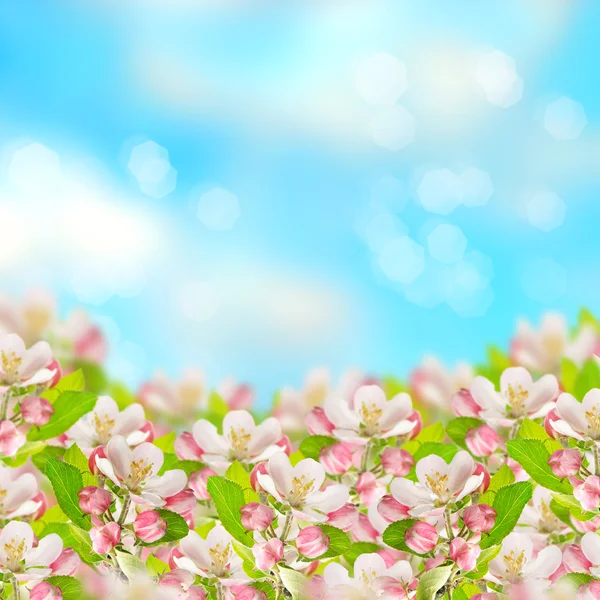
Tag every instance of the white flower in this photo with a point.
(369, 414)
(212, 557)
(542, 350)
(137, 471)
(438, 484)
(242, 439)
(516, 562)
(539, 515)
(105, 421)
(18, 556)
(519, 396)
(16, 494)
(590, 546)
(579, 419)
(22, 366)
(299, 487)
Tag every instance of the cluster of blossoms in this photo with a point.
(483, 483)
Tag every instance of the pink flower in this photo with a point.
(11, 439)
(397, 462)
(98, 452)
(183, 502)
(104, 537)
(268, 554)
(482, 440)
(54, 365)
(22, 366)
(36, 411)
(149, 526)
(369, 489)
(237, 395)
(464, 405)
(565, 463)
(417, 421)
(45, 591)
(259, 469)
(312, 542)
(549, 420)
(391, 510)
(257, 517)
(67, 563)
(421, 538)
(94, 500)
(180, 580)
(198, 481)
(465, 555)
(343, 518)
(336, 459)
(19, 494)
(590, 591)
(481, 469)
(575, 560)
(588, 493)
(479, 518)
(186, 447)
(317, 422)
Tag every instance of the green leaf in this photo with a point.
(457, 429)
(577, 579)
(294, 582)
(339, 542)
(394, 535)
(23, 453)
(587, 319)
(359, 548)
(121, 395)
(465, 591)
(312, 445)
(177, 528)
(239, 475)
(70, 587)
(568, 374)
(503, 476)
(587, 378)
(171, 461)
(155, 566)
(131, 565)
(68, 409)
(41, 458)
(73, 382)
(509, 503)
(432, 581)
(432, 433)
(533, 457)
(95, 378)
(266, 588)
(481, 568)
(229, 498)
(216, 405)
(66, 481)
(74, 456)
(75, 538)
(167, 442)
(573, 505)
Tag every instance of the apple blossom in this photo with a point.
(391, 510)
(104, 536)
(482, 440)
(464, 554)
(18, 494)
(11, 438)
(590, 546)
(67, 563)
(580, 420)
(312, 542)
(36, 411)
(588, 492)
(336, 459)
(565, 462)
(464, 405)
(421, 537)
(94, 500)
(575, 560)
(198, 481)
(479, 518)
(186, 447)
(397, 462)
(268, 554)
(343, 518)
(256, 517)
(317, 422)
(369, 488)
(238, 396)
(149, 526)
(45, 591)
(22, 366)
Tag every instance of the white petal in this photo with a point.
(46, 552)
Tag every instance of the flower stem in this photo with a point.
(364, 461)
(219, 590)
(286, 527)
(448, 523)
(596, 459)
(16, 588)
(124, 509)
(4, 405)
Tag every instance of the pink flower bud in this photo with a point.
(54, 365)
(285, 444)
(94, 500)
(464, 405)
(343, 518)
(421, 538)
(391, 510)
(198, 481)
(148, 429)
(36, 411)
(336, 459)
(96, 453)
(485, 596)
(149, 526)
(481, 469)
(565, 463)
(479, 518)
(312, 542)
(260, 468)
(67, 563)
(11, 439)
(45, 591)
(183, 503)
(317, 422)
(104, 537)
(397, 462)
(39, 498)
(247, 592)
(575, 561)
(390, 556)
(363, 530)
(268, 554)
(549, 421)
(186, 447)
(415, 417)
(256, 517)
(482, 440)
(465, 555)
(588, 493)
(369, 489)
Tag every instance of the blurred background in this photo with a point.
(257, 187)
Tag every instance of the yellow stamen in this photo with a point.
(370, 417)
(139, 472)
(219, 558)
(514, 564)
(10, 366)
(593, 419)
(438, 484)
(301, 488)
(103, 425)
(517, 398)
(240, 440)
(15, 551)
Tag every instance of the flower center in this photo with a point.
(15, 551)
(140, 470)
(514, 565)
(553, 345)
(3, 494)
(593, 418)
(239, 440)
(10, 366)
(367, 576)
(301, 487)
(103, 425)
(370, 416)
(549, 522)
(219, 558)
(438, 484)
(190, 395)
(517, 397)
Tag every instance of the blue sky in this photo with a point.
(265, 101)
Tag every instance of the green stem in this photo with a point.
(4, 405)
(448, 523)
(364, 462)
(596, 459)
(124, 509)
(16, 588)
(286, 527)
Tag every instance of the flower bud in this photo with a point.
(45, 591)
(186, 447)
(363, 530)
(149, 526)
(482, 440)
(104, 537)
(54, 365)
(96, 453)
(415, 417)
(343, 518)
(285, 444)
(36, 411)
(391, 510)
(11, 439)
(479, 518)
(244, 592)
(260, 468)
(198, 481)
(588, 492)
(369, 489)
(67, 563)
(549, 421)
(256, 517)
(148, 429)
(397, 462)
(268, 554)
(565, 463)
(481, 469)
(336, 459)
(464, 405)
(183, 502)
(421, 538)
(317, 422)
(312, 542)
(465, 555)
(94, 500)
(575, 561)
(42, 501)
